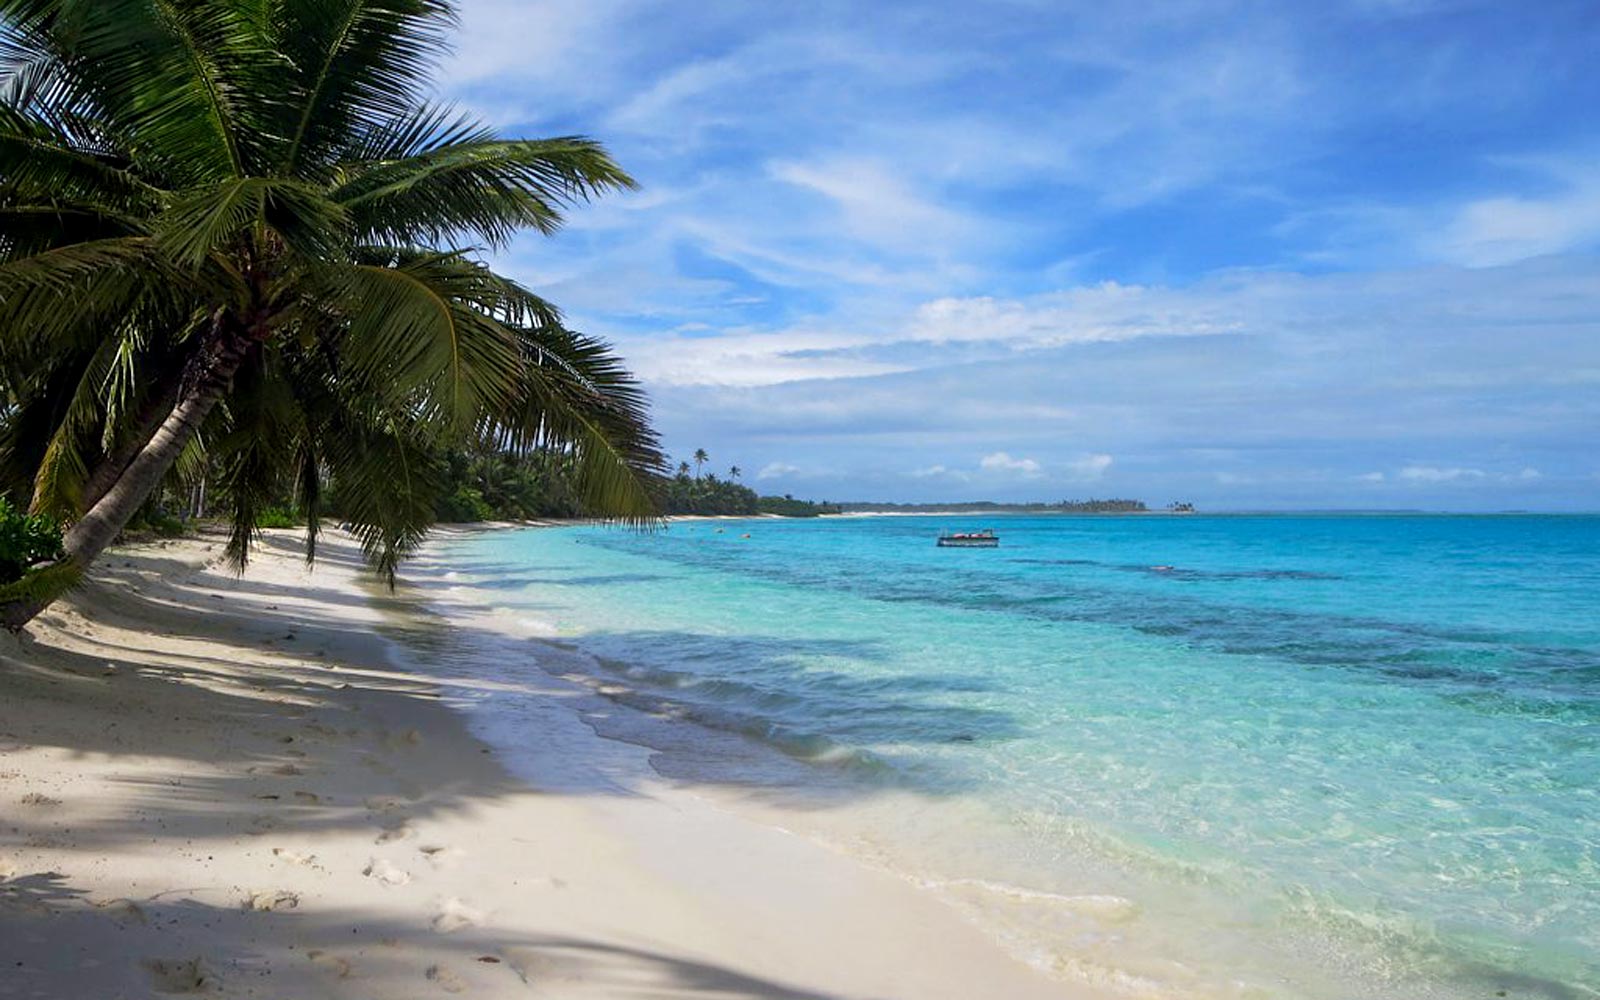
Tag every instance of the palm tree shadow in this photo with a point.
(220, 948)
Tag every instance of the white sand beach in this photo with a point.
(237, 787)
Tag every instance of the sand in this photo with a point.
(240, 787)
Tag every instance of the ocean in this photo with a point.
(1290, 756)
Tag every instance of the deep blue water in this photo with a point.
(1321, 756)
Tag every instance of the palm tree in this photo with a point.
(735, 472)
(700, 458)
(238, 229)
(683, 468)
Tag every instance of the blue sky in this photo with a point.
(1276, 254)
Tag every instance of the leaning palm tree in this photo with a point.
(236, 230)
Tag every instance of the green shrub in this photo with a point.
(25, 539)
(465, 505)
(277, 517)
(167, 526)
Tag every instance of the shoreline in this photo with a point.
(222, 784)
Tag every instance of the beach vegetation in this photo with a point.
(788, 506)
(709, 495)
(278, 517)
(163, 524)
(240, 237)
(25, 541)
(465, 504)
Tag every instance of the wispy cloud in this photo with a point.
(777, 470)
(1000, 461)
(1509, 227)
(1434, 474)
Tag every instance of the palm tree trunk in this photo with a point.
(100, 525)
(151, 417)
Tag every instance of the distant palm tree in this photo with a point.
(700, 458)
(735, 472)
(243, 227)
(683, 468)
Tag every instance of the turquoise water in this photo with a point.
(1274, 756)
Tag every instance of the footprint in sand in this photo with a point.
(178, 975)
(340, 967)
(454, 914)
(124, 911)
(532, 965)
(270, 900)
(295, 857)
(376, 763)
(397, 830)
(440, 856)
(385, 872)
(445, 979)
(403, 741)
(280, 770)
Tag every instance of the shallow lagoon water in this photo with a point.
(1209, 756)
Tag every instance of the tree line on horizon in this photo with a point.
(490, 486)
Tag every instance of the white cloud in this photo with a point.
(1000, 461)
(941, 472)
(1371, 477)
(1435, 474)
(1507, 228)
(1452, 474)
(1090, 467)
(878, 206)
(1106, 312)
(777, 470)
(510, 64)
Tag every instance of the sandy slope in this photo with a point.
(235, 788)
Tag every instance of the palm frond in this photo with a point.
(357, 64)
(179, 75)
(480, 191)
(58, 483)
(577, 396)
(39, 162)
(210, 218)
(254, 452)
(421, 334)
(388, 484)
